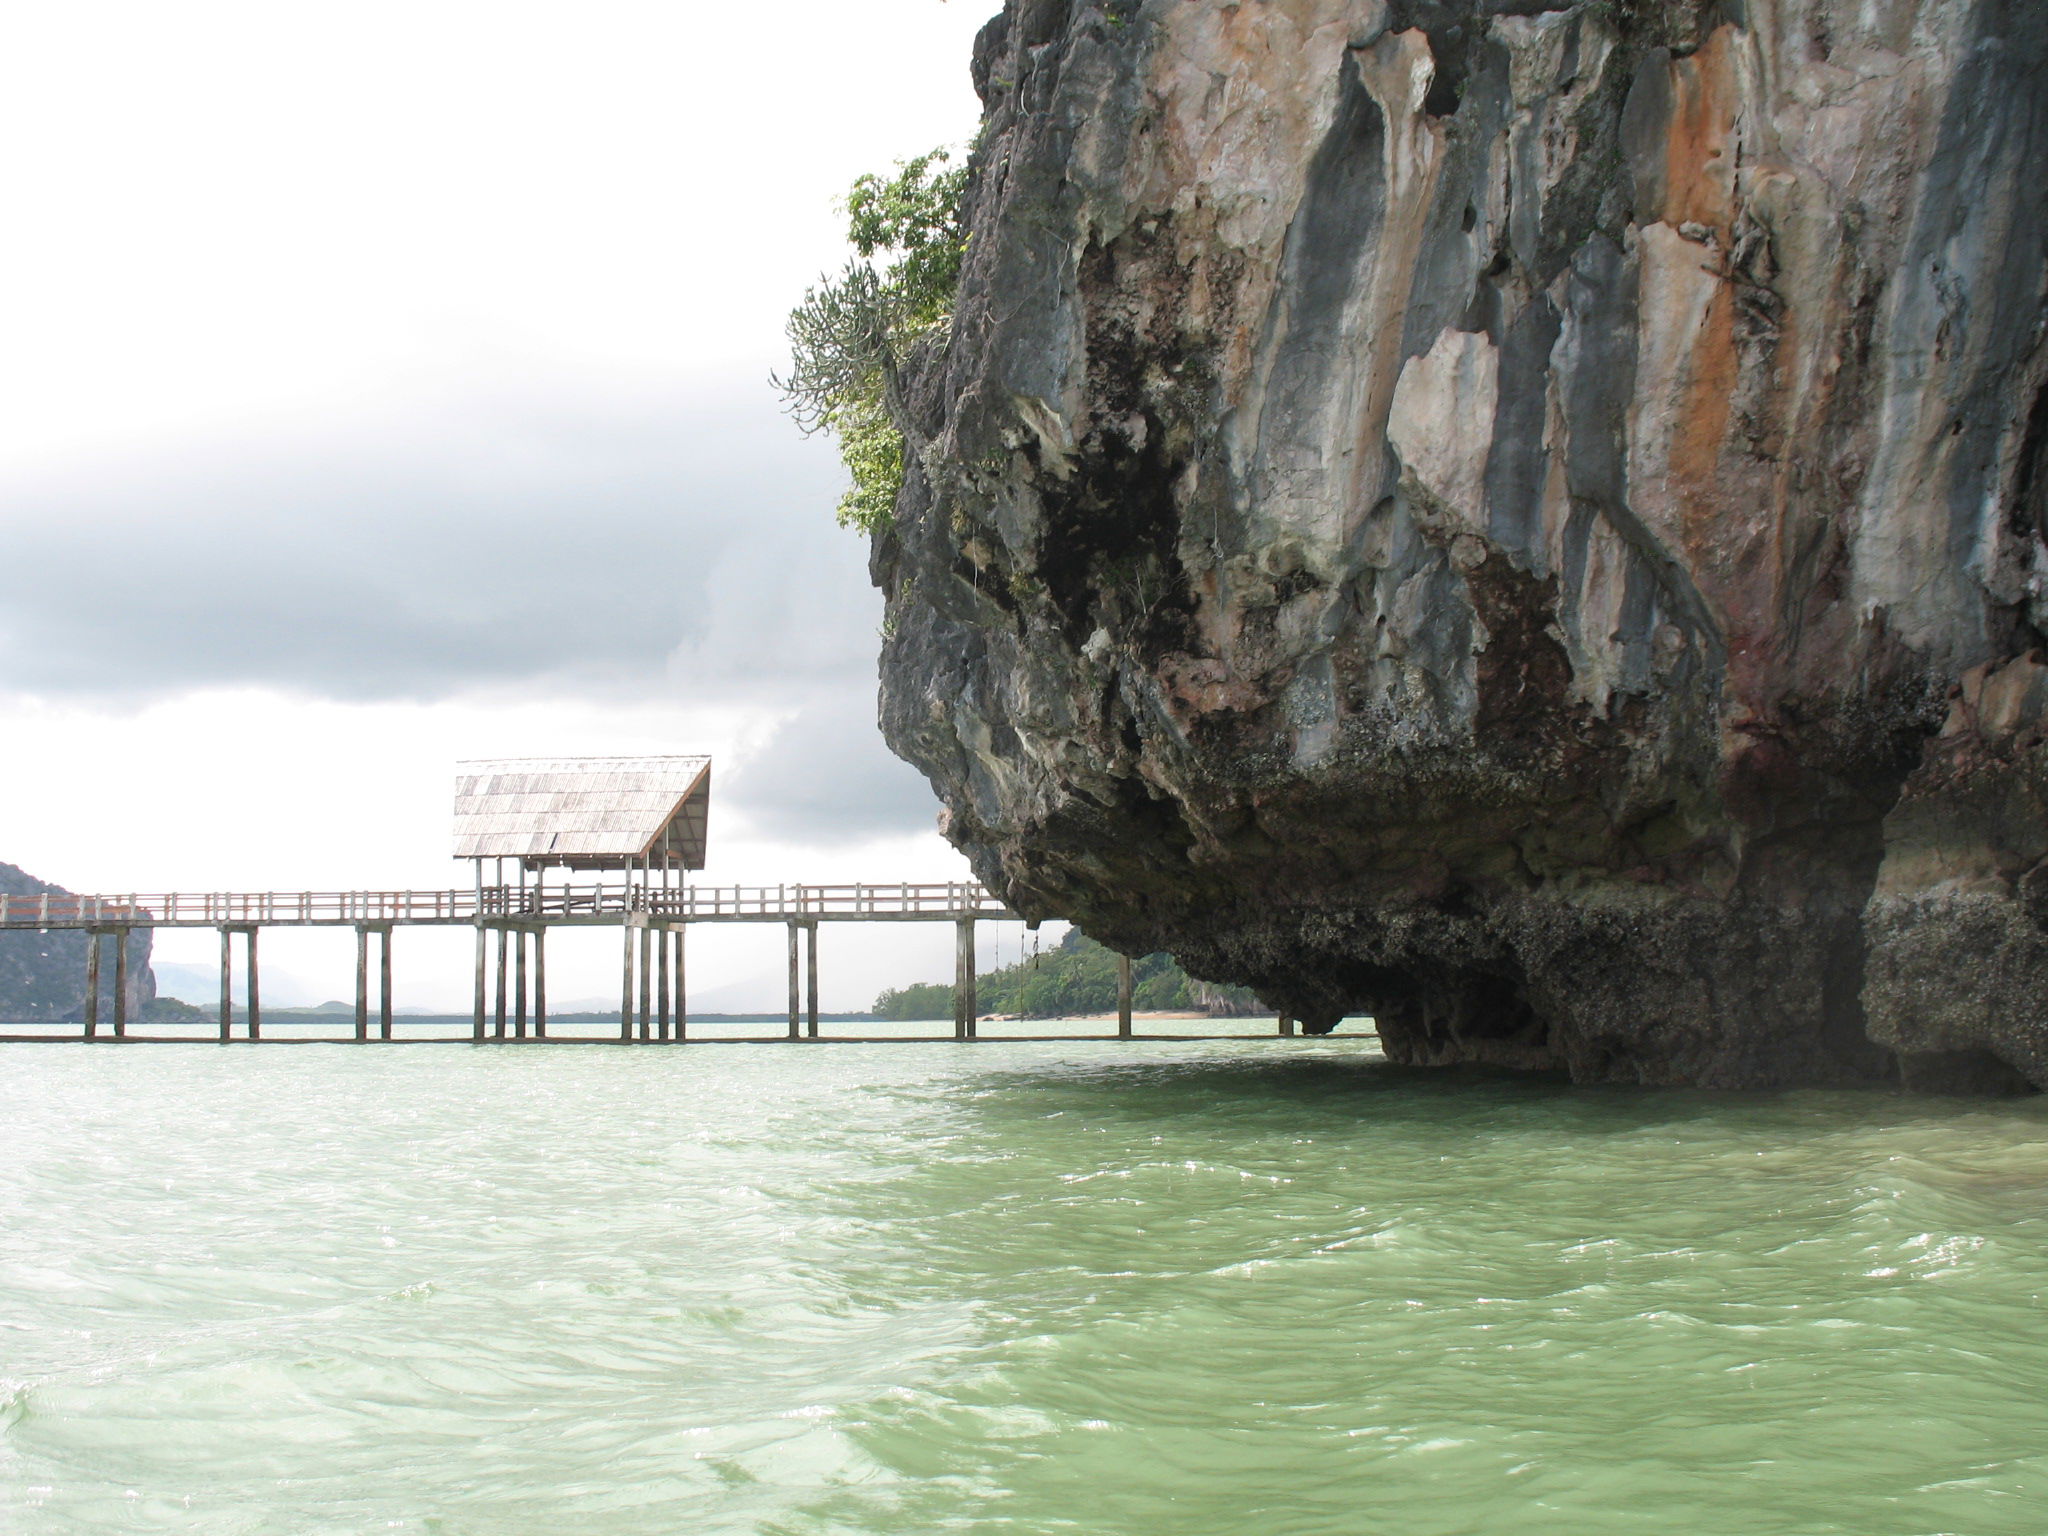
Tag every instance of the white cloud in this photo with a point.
(229, 211)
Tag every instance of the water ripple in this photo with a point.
(1237, 1287)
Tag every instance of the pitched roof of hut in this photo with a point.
(584, 812)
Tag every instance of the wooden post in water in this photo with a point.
(626, 983)
(540, 982)
(811, 978)
(793, 1033)
(682, 992)
(646, 983)
(92, 983)
(963, 980)
(120, 982)
(973, 987)
(227, 991)
(476, 1023)
(362, 981)
(1123, 997)
(255, 991)
(959, 988)
(1287, 1024)
(519, 978)
(504, 961)
(384, 986)
(661, 1002)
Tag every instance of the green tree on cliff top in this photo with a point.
(851, 333)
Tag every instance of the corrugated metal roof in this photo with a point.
(583, 811)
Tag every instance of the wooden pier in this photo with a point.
(510, 1001)
(632, 828)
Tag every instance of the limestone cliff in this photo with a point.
(1522, 518)
(43, 975)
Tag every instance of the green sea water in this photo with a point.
(1250, 1288)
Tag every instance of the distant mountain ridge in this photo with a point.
(42, 975)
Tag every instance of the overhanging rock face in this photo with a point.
(1524, 520)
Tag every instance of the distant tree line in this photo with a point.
(1075, 977)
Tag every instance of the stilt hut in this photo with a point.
(643, 817)
(640, 817)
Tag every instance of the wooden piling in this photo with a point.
(682, 991)
(1287, 1024)
(92, 984)
(384, 986)
(811, 978)
(1123, 997)
(255, 990)
(793, 988)
(120, 982)
(476, 1025)
(661, 1004)
(963, 980)
(519, 976)
(362, 982)
(227, 990)
(540, 982)
(504, 965)
(626, 984)
(646, 983)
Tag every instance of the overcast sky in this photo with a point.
(386, 383)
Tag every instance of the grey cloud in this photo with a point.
(562, 541)
(826, 777)
(795, 625)
(547, 542)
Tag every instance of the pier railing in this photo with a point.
(559, 902)
(954, 899)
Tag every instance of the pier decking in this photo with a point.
(600, 903)
(632, 827)
(511, 985)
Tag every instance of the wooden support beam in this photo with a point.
(682, 992)
(963, 980)
(646, 982)
(476, 1025)
(255, 988)
(120, 982)
(227, 990)
(1123, 997)
(973, 987)
(811, 978)
(519, 968)
(793, 987)
(626, 984)
(92, 984)
(661, 1002)
(540, 982)
(362, 982)
(384, 986)
(504, 962)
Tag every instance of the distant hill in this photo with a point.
(42, 975)
(1075, 977)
